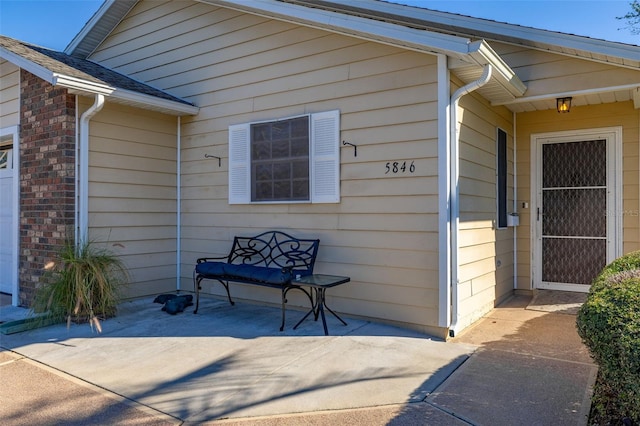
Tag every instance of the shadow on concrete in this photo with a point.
(531, 368)
(233, 362)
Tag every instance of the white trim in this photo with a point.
(178, 204)
(515, 198)
(613, 136)
(585, 92)
(168, 106)
(444, 218)
(88, 27)
(27, 65)
(80, 84)
(15, 208)
(483, 54)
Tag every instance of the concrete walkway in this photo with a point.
(231, 365)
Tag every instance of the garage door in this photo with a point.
(8, 222)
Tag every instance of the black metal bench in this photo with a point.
(272, 259)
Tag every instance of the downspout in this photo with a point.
(178, 208)
(455, 189)
(515, 202)
(82, 179)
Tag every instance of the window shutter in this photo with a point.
(239, 164)
(325, 158)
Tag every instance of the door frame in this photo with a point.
(615, 214)
(15, 198)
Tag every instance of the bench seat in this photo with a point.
(271, 259)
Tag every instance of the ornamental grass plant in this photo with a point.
(84, 284)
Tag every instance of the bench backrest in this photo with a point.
(275, 249)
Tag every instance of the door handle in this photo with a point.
(538, 214)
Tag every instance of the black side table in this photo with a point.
(319, 283)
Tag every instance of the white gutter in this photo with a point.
(82, 178)
(454, 194)
(178, 208)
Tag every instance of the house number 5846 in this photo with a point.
(396, 167)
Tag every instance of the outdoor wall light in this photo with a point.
(563, 104)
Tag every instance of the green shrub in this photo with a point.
(609, 324)
(628, 262)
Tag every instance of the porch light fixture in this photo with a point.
(563, 104)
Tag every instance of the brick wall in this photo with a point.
(47, 177)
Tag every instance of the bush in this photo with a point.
(609, 324)
(83, 284)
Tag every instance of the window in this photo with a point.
(280, 160)
(501, 180)
(6, 145)
(295, 159)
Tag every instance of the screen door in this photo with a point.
(575, 212)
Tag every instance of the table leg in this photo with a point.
(303, 318)
(317, 309)
(321, 305)
(334, 314)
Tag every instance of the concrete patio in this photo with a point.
(231, 365)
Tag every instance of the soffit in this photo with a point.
(98, 28)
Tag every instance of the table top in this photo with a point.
(321, 280)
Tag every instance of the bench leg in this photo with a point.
(196, 288)
(284, 300)
(226, 287)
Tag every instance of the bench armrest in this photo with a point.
(207, 259)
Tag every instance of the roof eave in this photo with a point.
(154, 103)
(581, 46)
(88, 88)
(483, 54)
(98, 28)
(392, 34)
(470, 53)
(35, 69)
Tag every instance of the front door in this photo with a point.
(576, 208)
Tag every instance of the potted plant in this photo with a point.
(83, 285)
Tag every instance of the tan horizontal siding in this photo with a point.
(239, 68)
(486, 253)
(546, 72)
(9, 94)
(132, 192)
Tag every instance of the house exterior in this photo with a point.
(424, 149)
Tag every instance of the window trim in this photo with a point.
(324, 159)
